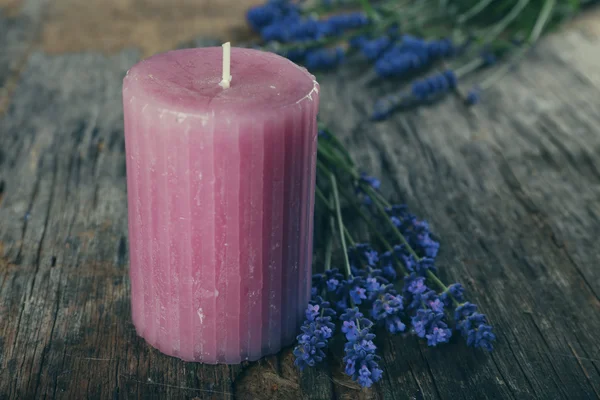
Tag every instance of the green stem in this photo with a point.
(441, 285)
(322, 197)
(324, 8)
(473, 11)
(504, 22)
(329, 247)
(378, 201)
(360, 212)
(368, 9)
(338, 211)
(399, 234)
(338, 145)
(541, 22)
(332, 158)
(469, 67)
(437, 280)
(349, 237)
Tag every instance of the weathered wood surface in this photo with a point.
(511, 187)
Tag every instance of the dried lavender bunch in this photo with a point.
(392, 278)
(410, 42)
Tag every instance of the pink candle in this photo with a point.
(220, 179)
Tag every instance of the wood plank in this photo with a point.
(512, 188)
(19, 27)
(150, 25)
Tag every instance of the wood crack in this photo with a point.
(435, 386)
(34, 193)
(585, 373)
(44, 229)
(560, 387)
(47, 348)
(521, 367)
(505, 381)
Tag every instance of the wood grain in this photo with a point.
(511, 187)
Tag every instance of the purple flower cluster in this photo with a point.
(369, 287)
(372, 49)
(348, 291)
(373, 182)
(281, 21)
(272, 12)
(325, 58)
(317, 329)
(429, 319)
(416, 231)
(425, 89)
(330, 281)
(454, 293)
(360, 359)
(421, 91)
(473, 96)
(388, 310)
(410, 55)
(290, 30)
(474, 326)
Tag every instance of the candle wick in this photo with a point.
(226, 82)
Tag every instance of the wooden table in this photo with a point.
(512, 188)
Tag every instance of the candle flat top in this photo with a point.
(187, 81)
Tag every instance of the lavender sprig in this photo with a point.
(361, 360)
(370, 283)
(406, 41)
(317, 329)
(415, 259)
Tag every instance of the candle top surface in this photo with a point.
(187, 81)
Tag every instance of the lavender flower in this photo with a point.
(358, 294)
(362, 255)
(429, 318)
(324, 58)
(388, 310)
(412, 54)
(420, 266)
(474, 327)
(373, 49)
(455, 291)
(386, 263)
(317, 329)
(344, 22)
(473, 96)
(425, 89)
(361, 360)
(430, 324)
(416, 231)
(374, 183)
(488, 58)
(422, 90)
(373, 286)
(264, 15)
(329, 281)
(351, 288)
(386, 105)
(370, 180)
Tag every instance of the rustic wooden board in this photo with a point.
(511, 187)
